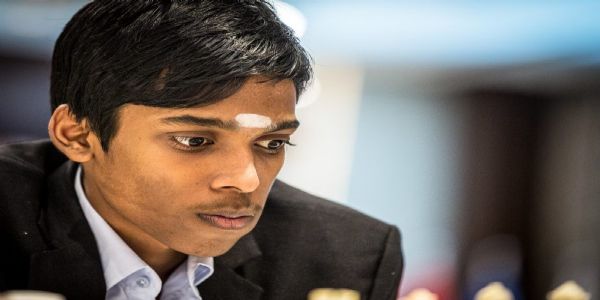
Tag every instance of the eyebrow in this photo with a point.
(291, 124)
(228, 125)
(204, 122)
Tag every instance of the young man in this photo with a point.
(168, 129)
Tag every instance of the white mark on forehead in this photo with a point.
(253, 121)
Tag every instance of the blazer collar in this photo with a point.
(72, 265)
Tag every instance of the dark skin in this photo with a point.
(179, 182)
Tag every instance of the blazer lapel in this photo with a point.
(72, 265)
(226, 283)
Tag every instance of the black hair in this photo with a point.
(168, 53)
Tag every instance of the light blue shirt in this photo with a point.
(127, 276)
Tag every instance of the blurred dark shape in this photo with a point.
(494, 259)
(532, 171)
(24, 92)
(568, 218)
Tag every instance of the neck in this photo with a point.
(158, 256)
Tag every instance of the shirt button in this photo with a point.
(143, 282)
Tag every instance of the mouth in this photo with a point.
(227, 221)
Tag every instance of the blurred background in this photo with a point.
(474, 126)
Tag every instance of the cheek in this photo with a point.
(160, 189)
(146, 182)
(268, 168)
(156, 204)
(270, 165)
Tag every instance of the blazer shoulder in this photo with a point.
(330, 244)
(24, 170)
(39, 157)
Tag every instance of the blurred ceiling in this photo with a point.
(384, 32)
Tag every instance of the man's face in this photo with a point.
(194, 180)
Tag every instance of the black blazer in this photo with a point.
(300, 243)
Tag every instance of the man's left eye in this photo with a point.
(272, 145)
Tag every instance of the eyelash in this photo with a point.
(277, 150)
(178, 143)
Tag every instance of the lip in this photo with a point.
(227, 221)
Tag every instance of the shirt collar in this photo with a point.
(118, 259)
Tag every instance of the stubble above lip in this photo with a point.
(232, 213)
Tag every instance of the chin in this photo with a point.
(219, 252)
(212, 251)
(210, 248)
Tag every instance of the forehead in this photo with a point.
(275, 100)
(257, 96)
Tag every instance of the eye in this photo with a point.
(190, 143)
(273, 146)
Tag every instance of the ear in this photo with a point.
(70, 136)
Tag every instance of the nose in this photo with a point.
(238, 175)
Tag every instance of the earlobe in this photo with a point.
(70, 136)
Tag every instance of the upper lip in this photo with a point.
(229, 214)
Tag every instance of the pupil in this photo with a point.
(196, 141)
(274, 144)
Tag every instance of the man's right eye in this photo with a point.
(190, 143)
